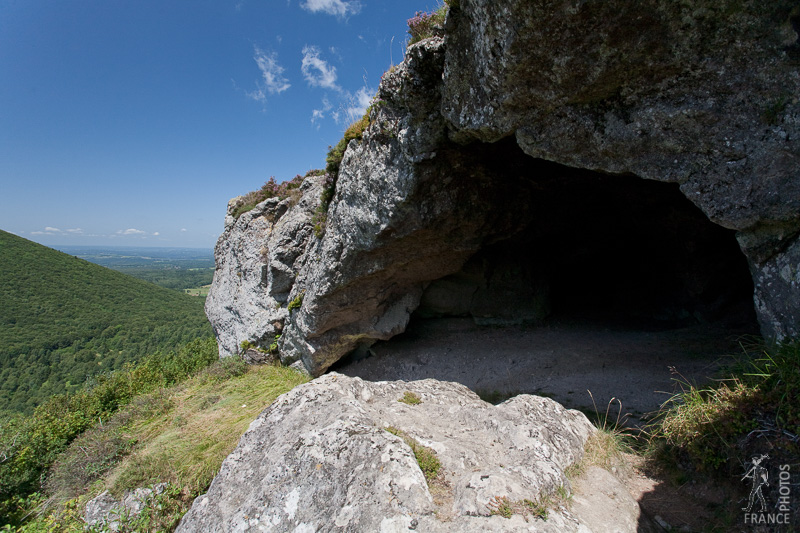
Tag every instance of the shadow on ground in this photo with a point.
(641, 368)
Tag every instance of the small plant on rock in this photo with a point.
(539, 509)
(426, 458)
(297, 302)
(501, 507)
(273, 348)
(410, 398)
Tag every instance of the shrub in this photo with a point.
(422, 25)
(181, 433)
(271, 189)
(224, 369)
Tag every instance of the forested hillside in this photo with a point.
(63, 320)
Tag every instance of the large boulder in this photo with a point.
(329, 456)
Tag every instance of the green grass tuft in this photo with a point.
(709, 427)
(426, 458)
(410, 398)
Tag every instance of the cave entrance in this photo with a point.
(609, 283)
(613, 250)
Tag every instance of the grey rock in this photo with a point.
(253, 356)
(776, 291)
(602, 503)
(320, 458)
(704, 95)
(105, 513)
(257, 258)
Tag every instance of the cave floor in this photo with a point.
(564, 360)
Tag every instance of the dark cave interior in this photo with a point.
(600, 248)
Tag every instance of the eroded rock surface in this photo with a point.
(700, 95)
(320, 458)
(258, 257)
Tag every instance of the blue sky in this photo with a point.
(134, 122)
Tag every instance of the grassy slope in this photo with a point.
(177, 435)
(64, 319)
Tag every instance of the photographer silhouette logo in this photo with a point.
(758, 473)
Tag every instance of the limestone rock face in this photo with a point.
(320, 458)
(258, 257)
(702, 95)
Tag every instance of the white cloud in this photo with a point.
(75, 231)
(184, 229)
(131, 231)
(49, 230)
(273, 81)
(318, 72)
(156, 234)
(339, 8)
(319, 114)
(358, 104)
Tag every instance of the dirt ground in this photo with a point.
(641, 368)
(566, 361)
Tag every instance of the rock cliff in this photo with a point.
(504, 160)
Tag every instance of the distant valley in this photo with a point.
(185, 269)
